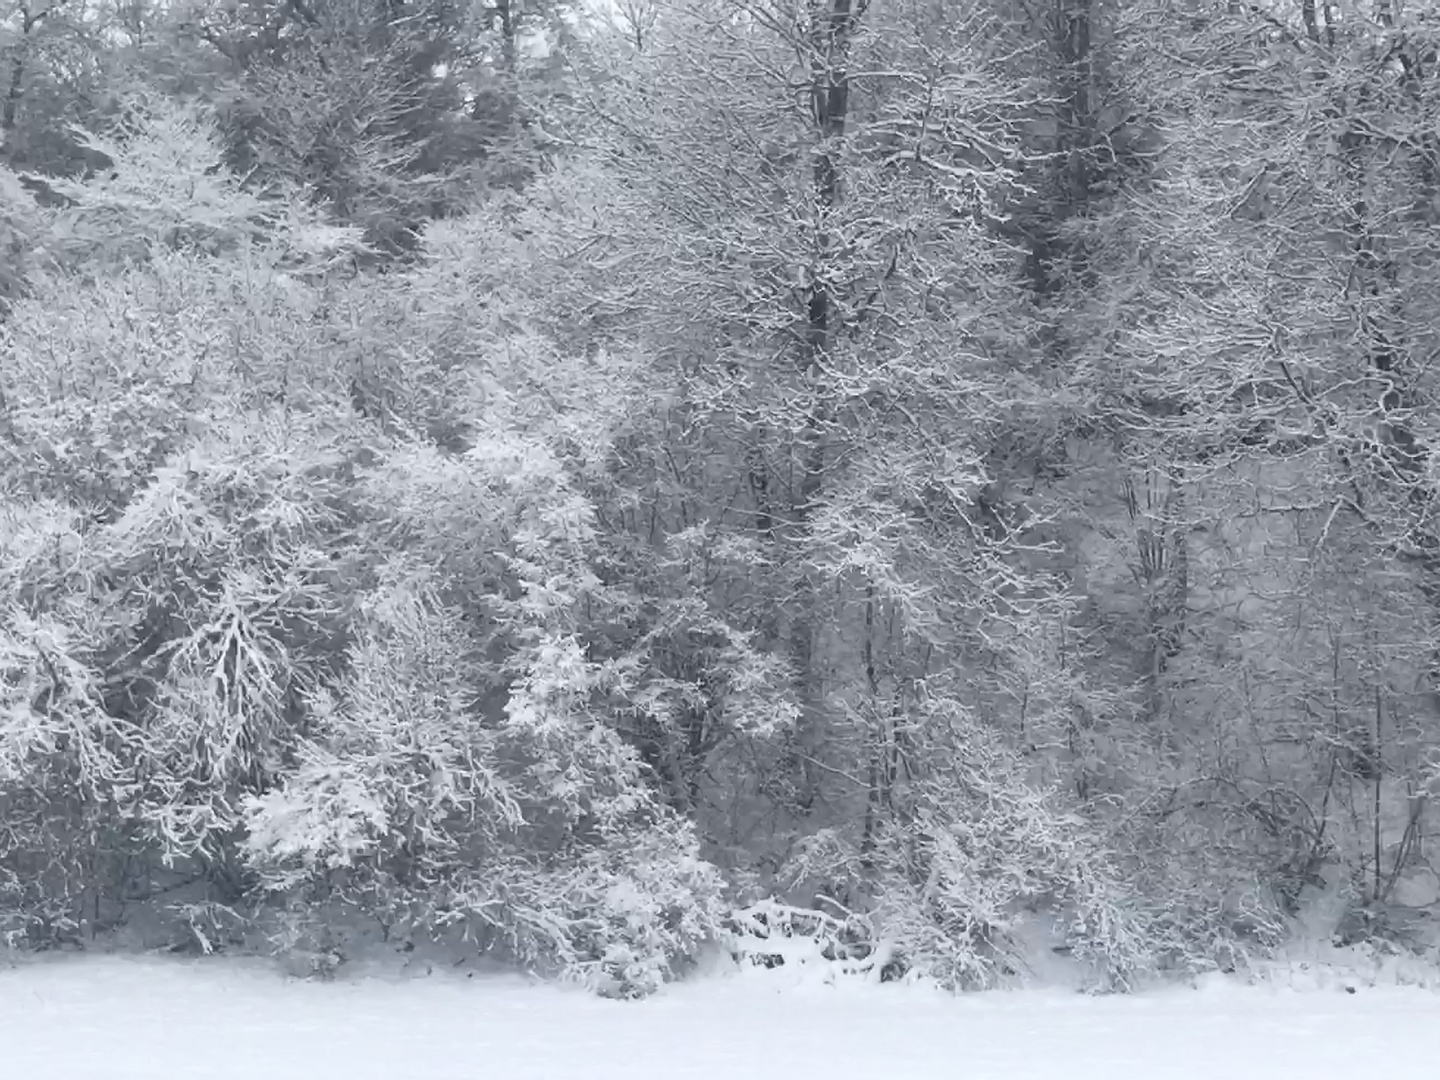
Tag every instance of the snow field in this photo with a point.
(114, 1018)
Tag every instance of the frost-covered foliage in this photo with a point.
(64, 789)
(531, 830)
(968, 858)
(164, 189)
(984, 515)
(280, 630)
(168, 189)
(20, 237)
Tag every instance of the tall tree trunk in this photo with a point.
(832, 27)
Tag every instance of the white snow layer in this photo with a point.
(111, 1018)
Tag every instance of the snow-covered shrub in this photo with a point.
(535, 834)
(162, 617)
(396, 776)
(1215, 888)
(154, 684)
(334, 663)
(462, 768)
(165, 189)
(64, 788)
(839, 945)
(969, 858)
(959, 906)
(622, 918)
(299, 606)
(108, 374)
(168, 190)
(66, 795)
(230, 601)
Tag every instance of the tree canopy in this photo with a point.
(946, 480)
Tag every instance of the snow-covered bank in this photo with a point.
(112, 1018)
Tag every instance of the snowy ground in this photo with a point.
(111, 1018)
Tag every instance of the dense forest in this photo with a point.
(574, 480)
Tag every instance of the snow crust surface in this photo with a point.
(113, 1018)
